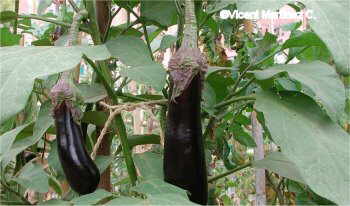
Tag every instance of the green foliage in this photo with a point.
(7, 38)
(299, 105)
(7, 16)
(277, 162)
(330, 93)
(307, 137)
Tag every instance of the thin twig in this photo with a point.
(117, 109)
(115, 13)
(74, 6)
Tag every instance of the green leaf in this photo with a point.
(167, 41)
(54, 161)
(7, 38)
(116, 31)
(217, 6)
(43, 123)
(92, 93)
(209, 97)
(156, 186)
(150, 165)
(21, 65)
(7, 139)
(54, 202)
(157, 192)
(220, 84)
(302, 40)
(92, 198)
(7, 16)
(97, 118)
(242, 136)
(43, 42)
(152, 74)
(331, 92)
(316, 145)
(277, 162)
(333, 29)
(162, 12)
(131, 50)
(33, 177)
(55, 185)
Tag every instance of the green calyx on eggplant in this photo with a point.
(184, 157)
(81, 172)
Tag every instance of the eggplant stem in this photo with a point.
(229, 172)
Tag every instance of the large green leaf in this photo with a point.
(160, 11)
(21, 65)
(333, 29)
(7, 139)
(152, 74)
(43, 122)
(317, 76)
(131, 50)
(302, 40)
(242, 136)
(277, 162)
(157, 192)
(92, 93)
(33, 177)
(316, 145)
(149, 164)
(92, 198)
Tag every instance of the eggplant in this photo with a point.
(184, 158)
(81, 172)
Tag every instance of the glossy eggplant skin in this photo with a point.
(184, 157)
(81, 172)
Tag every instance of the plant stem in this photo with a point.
(121, 130)
(228, 102)
(244, 87)
(229, 172)
(60, 23)
(147, 41)
(74, 6)
(301, 51)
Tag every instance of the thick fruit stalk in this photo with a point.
(81, 172)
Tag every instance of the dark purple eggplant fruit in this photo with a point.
(81, 172)
(184, 158)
